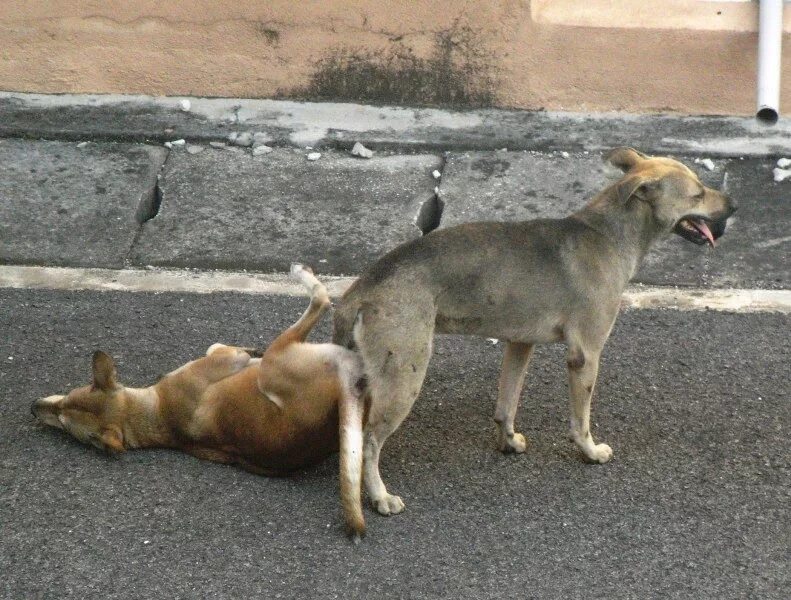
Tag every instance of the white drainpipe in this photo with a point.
(770, 38)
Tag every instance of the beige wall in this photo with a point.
(652, 55)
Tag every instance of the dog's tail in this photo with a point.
(351, 412)
(344, 318)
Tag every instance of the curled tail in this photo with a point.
(351, 433)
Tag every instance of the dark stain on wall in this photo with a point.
(272, 36)
(458, 73)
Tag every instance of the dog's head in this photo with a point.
(92, 413)
(679, 202)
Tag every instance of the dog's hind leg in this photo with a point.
(395, 349)
(319, 304)
(516, 358)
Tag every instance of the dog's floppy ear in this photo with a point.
(624, 158)
(636, 186)
(104, 373)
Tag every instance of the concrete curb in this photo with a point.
(285, 123)
(207, 282)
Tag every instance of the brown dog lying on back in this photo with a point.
(270, 415)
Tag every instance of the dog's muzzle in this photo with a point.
(704, 230)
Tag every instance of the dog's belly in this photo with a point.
(531, 329)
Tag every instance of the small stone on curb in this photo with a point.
(436, 174)
(784, 163)
(244, 139)
(314, 156)
(218, 144)
(195, 149)
(181, 142)
(82, 144)
(707, 163)
(185, 105)
(262, 149)
(781, 174)
(565, 154)
(361, 151)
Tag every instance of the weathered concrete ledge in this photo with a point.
(228, 209)
(73, 205)
(192, 281)
(159, 119)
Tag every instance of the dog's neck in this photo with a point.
(629, 226)
(142, 426)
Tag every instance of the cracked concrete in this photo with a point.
(64, 205)
(224, 208)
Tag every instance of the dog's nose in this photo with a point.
(729, 205)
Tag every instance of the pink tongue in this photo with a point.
(704, 229)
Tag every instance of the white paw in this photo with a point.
(213, 348)
(389, 505)
(296, 269)
(602, 453)
(516, 443)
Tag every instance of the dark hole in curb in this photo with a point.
(430, 215)
(149, 204)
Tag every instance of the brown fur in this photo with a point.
(270, 416)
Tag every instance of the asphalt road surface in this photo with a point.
(695, 503)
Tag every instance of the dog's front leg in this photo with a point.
(512, 377)
(583, 369)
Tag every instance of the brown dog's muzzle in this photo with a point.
(701, 230)
(45, 410)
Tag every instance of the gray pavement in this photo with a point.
(695, 404)
(64, 205)
(225, 208)
(102, 205)
(694, 505)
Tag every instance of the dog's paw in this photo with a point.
(516, 443)
(600, 454)
(389, 505)
(297, 269)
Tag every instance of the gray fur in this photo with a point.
(527, 283)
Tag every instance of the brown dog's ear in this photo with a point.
(104, 374)
(113, 439)
(636, 186)
(624, 158)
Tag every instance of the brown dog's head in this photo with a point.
(91, 413)
(680, 203)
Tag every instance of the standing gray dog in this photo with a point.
(534, 282)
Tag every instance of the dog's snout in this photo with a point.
(728, 204)
(46, 410)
